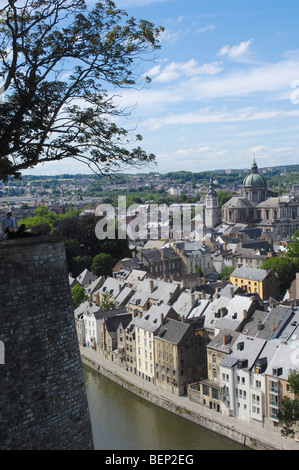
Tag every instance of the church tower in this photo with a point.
(212, 217)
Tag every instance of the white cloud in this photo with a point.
(176, 70)
(204, 116)
(211, 156)
(209, 27)
(236, 52)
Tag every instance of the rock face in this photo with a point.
(43, 401)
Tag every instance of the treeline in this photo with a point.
(83, 248)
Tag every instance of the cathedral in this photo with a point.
(257, 207)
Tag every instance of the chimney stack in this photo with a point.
(151, 285)
(161, 319)
(227, 339)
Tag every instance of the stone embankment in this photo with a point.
(248, 434)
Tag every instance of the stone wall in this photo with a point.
(43, 401)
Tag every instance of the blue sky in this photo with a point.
(225, 85)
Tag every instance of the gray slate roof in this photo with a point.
(172, 331)
(255, 274)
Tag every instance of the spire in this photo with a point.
(254, 166)
(211, 190)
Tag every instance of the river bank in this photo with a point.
(247, 434)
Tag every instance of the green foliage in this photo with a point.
(44, 217)
(78, 294)
(223, 196)
(293, 250)
(47, 117)
(289, 409)
(226, 272)
(199, 271)
(285, 268)
(103, 264)
(107, 302)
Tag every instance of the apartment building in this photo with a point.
(259, 281)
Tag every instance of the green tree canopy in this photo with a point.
(293, 250)
(285, 268)
(103, 264)
(78, 294)
(59, 62)
(289, 408)
(107, 302)
(226, 272)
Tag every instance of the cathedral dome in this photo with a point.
(254, 179)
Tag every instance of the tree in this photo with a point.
(103, 264)
(293, 250)
(226, 272)
(285, 268)
(56, 56)
(107, 302)
(78, 294)
(289, 409)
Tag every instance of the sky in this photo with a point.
(224, 86)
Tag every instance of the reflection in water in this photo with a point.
(122, 420)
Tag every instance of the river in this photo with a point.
(124, 421)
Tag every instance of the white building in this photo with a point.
(235, 370)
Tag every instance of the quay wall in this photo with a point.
(173, 406)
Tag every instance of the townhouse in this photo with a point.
(111, 287)
(162, 263)
(260, 281)
(235, 381)
(146, 326)
(179, 355)
(151, 292)
(110, 339)
(194, 254)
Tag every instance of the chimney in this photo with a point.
(151, 285)
(161, 319)
(203, 294)
(231, 292)
(244, 314)
(223, 312)
(183, 319)
(192, 300)
(227, 339)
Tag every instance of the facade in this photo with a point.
(111, 334)
(258, 208)
(194, 254)
(151, 292)
(162, 263)
(146, 326)
(259, 281)
(179, 355)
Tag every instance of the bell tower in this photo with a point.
(212, 216)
